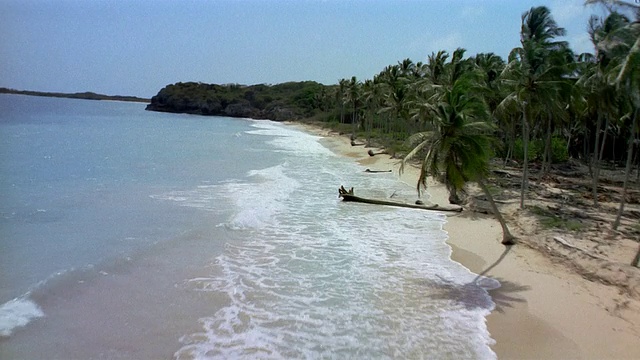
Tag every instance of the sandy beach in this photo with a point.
(543, 309)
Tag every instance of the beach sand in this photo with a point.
(543, 309)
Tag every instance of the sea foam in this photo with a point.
(260, 199)
(317, 278)
(17, 313)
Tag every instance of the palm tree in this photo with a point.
(626, 40)
(371, 95)
(396, 99)
(341, 96)
(491, 65)
(353, 97)
(601, 93)
(628, 79)
(435, 67)
(532, 76)
(458, 145)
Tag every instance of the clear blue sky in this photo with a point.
(132, 47)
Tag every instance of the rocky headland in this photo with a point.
(281, 102)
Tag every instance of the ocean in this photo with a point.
(128, 234)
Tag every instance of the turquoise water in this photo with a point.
(132, 234)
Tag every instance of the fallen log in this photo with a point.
(372, 153)
(349, 196)
(378, 171)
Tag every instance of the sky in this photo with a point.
(136, 47)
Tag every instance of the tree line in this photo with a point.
(543, 103)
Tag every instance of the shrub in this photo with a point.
(559, 151)
(536, 149)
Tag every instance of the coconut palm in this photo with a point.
(491, 65)
(371, 95)
(397, 95)
(435, 67)
(341, 97)
(600, 90)
(457, 147)
(628, 80)
(353, 92)
(625, 40)
(534, 74)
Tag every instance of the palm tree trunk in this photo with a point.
(369, 124)
(595, 162)
(354, 121)
(587, 154)
(525, 162)
(637, 161)
(511, 139)
(546, 159)
(636, 260)
(627, 171)
(507, 237)
(604, 142)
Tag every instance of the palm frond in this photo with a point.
(630, 71)
(413, 153)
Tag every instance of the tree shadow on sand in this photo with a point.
(472, 295)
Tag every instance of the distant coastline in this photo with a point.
(288, 101)
(81, 95)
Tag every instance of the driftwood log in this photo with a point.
(372, 153)
(377, 171)
(348, 195)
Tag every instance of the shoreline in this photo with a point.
(543, 310)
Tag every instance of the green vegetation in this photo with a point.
(455, 112)
(287, 101)
(536, 148)
(82, 95)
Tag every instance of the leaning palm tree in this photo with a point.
(457, 148)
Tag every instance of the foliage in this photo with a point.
(535, 150)
(292, 100)
(559, 153)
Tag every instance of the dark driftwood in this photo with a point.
(349, 196)
(371, 153)
(377, 171)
